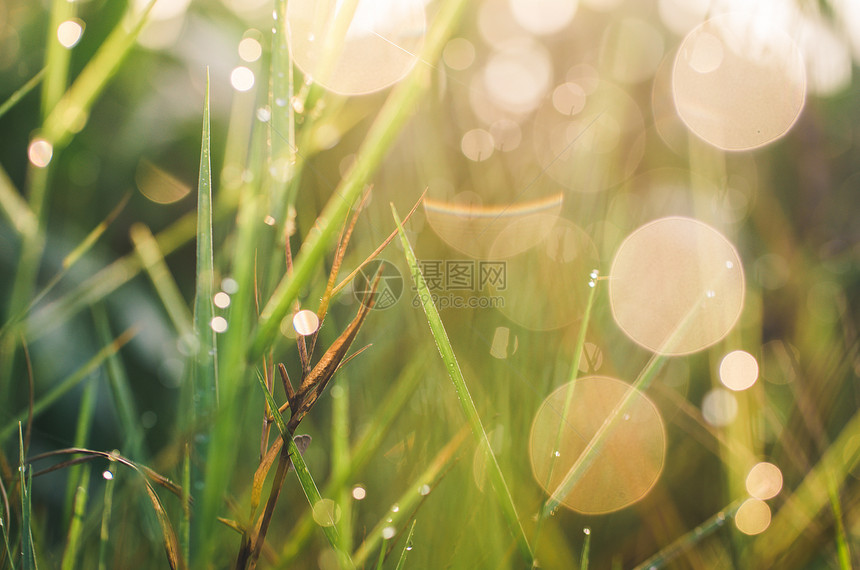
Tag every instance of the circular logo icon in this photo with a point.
(388, 290)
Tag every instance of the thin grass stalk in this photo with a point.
(503, 494)
(419, 488)
(283, 158)
(57, 57)
(79, 507)
(8, 556)
(401, 563)
(104, 533)
(28, 551)
(15, 208)
(85, 422)
(382, 134)
(341, 459)
(166, 287)
(22, 92)
(381, 559)
(586, 547)
(362, 450)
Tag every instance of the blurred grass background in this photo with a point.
(789, 208)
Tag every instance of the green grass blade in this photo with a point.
(79, 506)
(305, 479)
(159, 274)
(85, 422)
(107, 511)
(28, 554)
(21, 92)
(68, 383)
(586, 547)
(383, 133)
(403, 507)
(401, 563)
(57, 57)
(15, 208)
(205, 379)
(9, 558)
(363, 449)
(503, 494)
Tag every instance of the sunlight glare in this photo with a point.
(764, 481)
(753, 517)
(738, 370)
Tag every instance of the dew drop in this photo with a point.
(626, 417)
(298, 105)
(424, 490)
(395, 508)
(586, 531)
(557, 453)
(108, 475)
(388, 532)
(280, 102)
(710, 293)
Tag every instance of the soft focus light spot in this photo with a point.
(706, 53)
(669, 288)
(148, 419)
(221, 300)
(242, 78)
(69, 33)
(504, 343)
(264, 114)
(738, 82)
(359, 493)
(250, 49)
(163, 9)
(629, 462)
(269, 220)
(506, 134)
(218, 324)
(380, 46)
(107, 475)
(681, 16)
(592, 133)
(517, 76)
(738, 370)
(602, 5)
(388, 532)
(753, 517)
(459, 54)
(40, 152)
(568, 98)
(159, 185)
(326, 512)
(306, 322)
(230, 285)
(477, 145)
(424, 490)
(719, 407)
(543, 17)
(764, 481)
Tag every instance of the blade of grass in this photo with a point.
(204, 373)
(85, 421)
(104, 534)
(503, 494)
(406, 548)
(363, 449)
(57, 57)
(417, 490)
(21, 92)
(159, 274)
(690, 539)
(28, 554)
(586, 547)
(390, 120)
(79, 506)
(305, 479)
(70, 382)
(15, 208)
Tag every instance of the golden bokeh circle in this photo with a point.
(676, 286)
(753, 517)
(379, 47)
(738, 83)
(630, 460)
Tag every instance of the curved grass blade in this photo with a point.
(28, 554)
(503, 494)
(406, 548)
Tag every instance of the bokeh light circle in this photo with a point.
(629, 462)
(306, 322)
(378, 49)
(753, 517)
(738, 370)
(738, 83)
(764, 481)
(676, 286)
